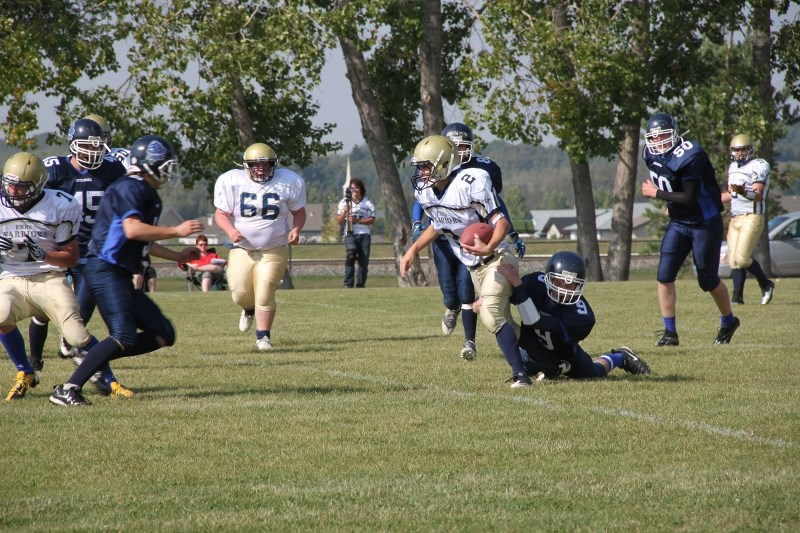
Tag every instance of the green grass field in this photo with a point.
(364, 418)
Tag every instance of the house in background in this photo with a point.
(562, 223)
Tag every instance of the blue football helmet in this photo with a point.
(461, 136)
(86, 141)
(565, 277)
(658, 126)
(155, 156)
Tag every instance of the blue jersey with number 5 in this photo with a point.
(87, 186)
(686, 162)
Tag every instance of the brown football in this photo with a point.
(482, 230)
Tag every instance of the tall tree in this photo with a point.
(47, 48)
(215, 77)
(553, 67)
(634, 105)
(375, 133)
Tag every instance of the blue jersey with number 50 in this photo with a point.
(87, 186)
(126, 197)
(686, 162)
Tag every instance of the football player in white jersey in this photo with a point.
(453, 198)
(748, 182)
(252, 207)
(38, 230)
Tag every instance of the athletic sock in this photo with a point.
(756, 270)
(669, 324)
(615, 359)
(507, 341)
(727, 321)
(37, 335)
(470, 322)
(95, 358)
(15, 346)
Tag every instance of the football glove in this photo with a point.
(519, 244)
(5, 244)
(34, 250)
(416, 231)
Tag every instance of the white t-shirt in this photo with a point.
(53, 221)
(468, 198)
(260, 211)
(363, 209)
(754, 171)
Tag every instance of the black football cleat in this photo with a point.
(668, 338)
(632, 363)
(68, 397)
(519, 381)
(724, 334)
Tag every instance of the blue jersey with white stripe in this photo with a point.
(126, 197)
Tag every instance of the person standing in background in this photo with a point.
(356, 213)
(748, 182)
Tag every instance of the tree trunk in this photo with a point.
(761, 53)
(430, 89)
(588, 247)
(430, 68)
(241, 116)
(619, 249)
(374, 129)
(581, 178)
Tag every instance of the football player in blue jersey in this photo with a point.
(125, 229)
(683, 176)
(556, 317)
(120, 154)
(85, 174)
(455, 282)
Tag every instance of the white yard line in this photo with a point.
(702, 427)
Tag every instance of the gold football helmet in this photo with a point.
(259, 162)
(741, 148)
(24, 177)
(103, 126)
(434, 158)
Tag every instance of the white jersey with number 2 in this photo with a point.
(468, 198)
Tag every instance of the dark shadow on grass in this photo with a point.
(255, 391)
(622, 376)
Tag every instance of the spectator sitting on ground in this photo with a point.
(210, 267)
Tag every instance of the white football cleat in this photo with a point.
(264, 344)
(245, 321)
(67, 351)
